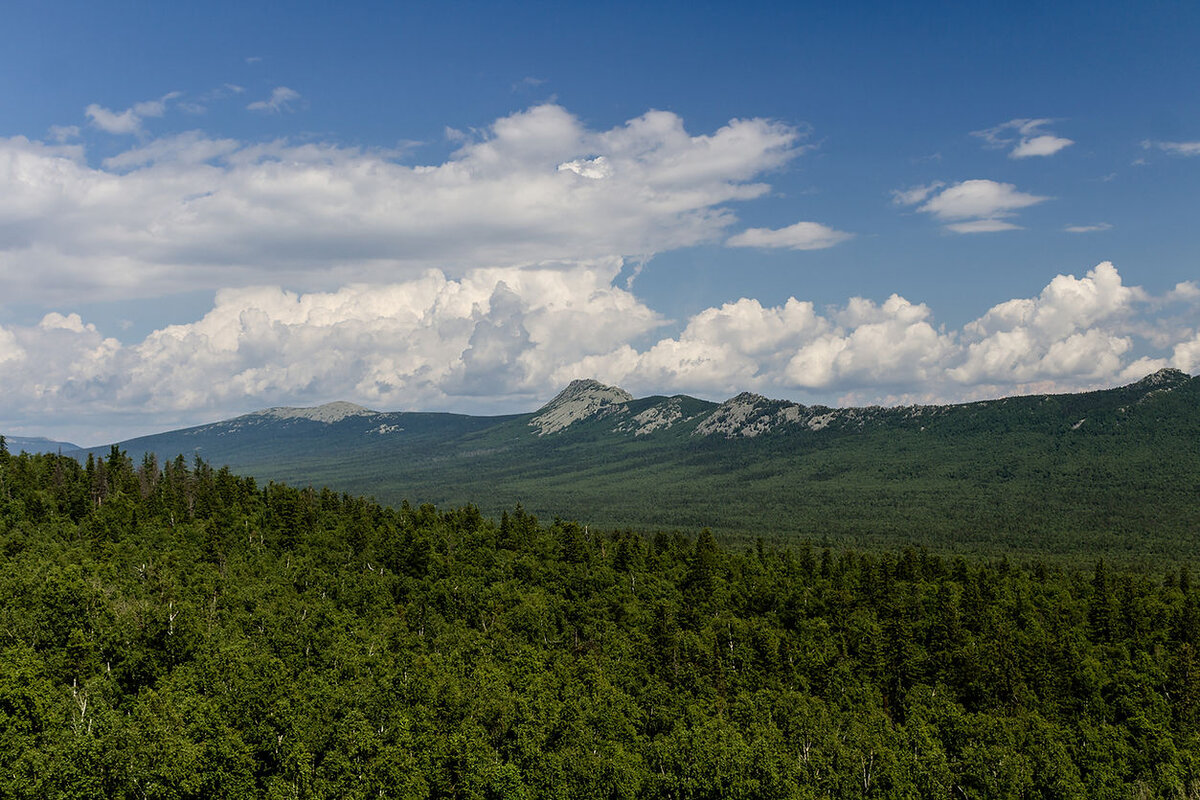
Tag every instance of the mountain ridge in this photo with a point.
(1114, 471)
(745, 414)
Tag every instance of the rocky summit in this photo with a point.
(582, 399)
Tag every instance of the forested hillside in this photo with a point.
(185, 633)
(1111, 474)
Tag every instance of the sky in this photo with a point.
(208, 209)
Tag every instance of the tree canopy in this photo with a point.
(178, 631)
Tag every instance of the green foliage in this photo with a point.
(181, 632)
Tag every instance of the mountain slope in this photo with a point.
(38, 444)
(1110, 472)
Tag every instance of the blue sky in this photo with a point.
(215, 208)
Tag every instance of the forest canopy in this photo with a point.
(178, 631)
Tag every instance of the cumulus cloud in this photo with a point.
(504, 339)
(1186, 355)
(974, 206)
(741, 344)
(1062, 333)
(1078, 333)
(877, 345)
(281, 99)
(1025, 137)
(1174, 148)
(502, 331)
(189, 212)
(10, 349)
(800, 236)
(1185, 291)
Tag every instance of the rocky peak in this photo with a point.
(748, 415)
(328, 413)
(1165, 378)
(581, 399)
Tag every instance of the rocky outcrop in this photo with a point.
(582, 399)
(329, 413)
(657, 417)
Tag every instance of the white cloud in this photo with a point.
(1066, 332)
(70, 322)
(1099, 226)
(497, 331)
(1066, 304)
(983, 226)
(740, 345)
(1186, 355)
(1078, 333)
(1025, 136)
(10, 349)
(1184, 291)
(1044, 145)
(973, 206)
(1174, 148)
(917, 194)
(978, 198)
(800, 236)
(130, 120)
(281, 99)
(189, 148)
(189, 212)
(889, 344)
(112, 121)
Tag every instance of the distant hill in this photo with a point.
(1110, 472)
(38, 444)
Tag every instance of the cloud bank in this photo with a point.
(191, 211)
(506, 339)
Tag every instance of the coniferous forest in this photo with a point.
(177, 631)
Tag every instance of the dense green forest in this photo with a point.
(181, 632)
